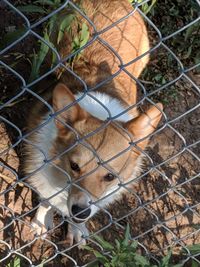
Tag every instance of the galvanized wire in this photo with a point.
(168, 124)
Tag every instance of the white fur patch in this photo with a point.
(46, 180)
(49, 181)
(97, 110)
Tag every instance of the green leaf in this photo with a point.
(104, 243)
(44, 48)
(56, 2)
(76, 42)
(88, 248)
(100, 257)
(127, 236)
(190, 31)
(149, 7)
(52, 23)
(84, 34)
(54, 59)
(195, 263)
(10, 37)
(158, 77)
(45, 2)
(141, 260)
(14, 263)
(145, 8)
(165, 260)
(118, 245)
(34, 71)
(39, 58)
(65, 23)
(194, 249)
(93, 264)
(115, 261)
(32, 9)
(189, 51)
(134, 245)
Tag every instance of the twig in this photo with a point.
(9, 180)
(150, 83)
(14, 103)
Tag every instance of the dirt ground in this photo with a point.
(162, 208)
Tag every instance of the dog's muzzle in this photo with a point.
(80, 213)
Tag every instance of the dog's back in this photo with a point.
(121, 36)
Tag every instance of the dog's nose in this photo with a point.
(80, 212)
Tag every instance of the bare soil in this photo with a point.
(162, 208)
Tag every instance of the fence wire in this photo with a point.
(148, 224)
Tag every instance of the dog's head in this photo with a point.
(98, 162)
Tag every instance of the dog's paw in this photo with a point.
(76, 238)
(43, 221)
(70, 239)
(82, 244)
(75, 235)
(38, 229)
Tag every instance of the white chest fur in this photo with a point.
(44, 180)
(95, 103)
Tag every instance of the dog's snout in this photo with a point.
(80, 212)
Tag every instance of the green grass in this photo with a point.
(16, 262)
(124, 253)
(167, 15)
(62, 23)
(146, 7)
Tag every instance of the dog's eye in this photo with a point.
(74, 166)
(109, 177)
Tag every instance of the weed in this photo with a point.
(170, 16)
(146, 7)
(63, 24)
(16, 262)
(124, 254)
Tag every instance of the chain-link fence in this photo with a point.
(161, 204)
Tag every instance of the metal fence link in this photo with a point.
(163, 211)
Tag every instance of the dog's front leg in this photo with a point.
(43, 220)
(76, 232)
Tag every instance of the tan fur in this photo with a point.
(99, 150)
(129, 40)
(107, 143)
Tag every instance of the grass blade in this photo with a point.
(31, 9)
(10, 37)
(45, 2)
(104, 243)
(65, 24)
(39, 58)
(84, 35)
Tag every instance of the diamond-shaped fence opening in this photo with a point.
(39, 47)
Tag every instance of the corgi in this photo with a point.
(88, 147)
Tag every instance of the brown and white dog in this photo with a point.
(79, 182)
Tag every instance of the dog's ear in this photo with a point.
(63, 98)
(145, 124)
